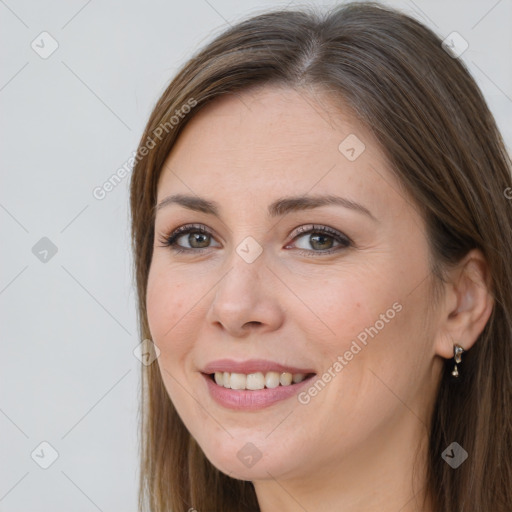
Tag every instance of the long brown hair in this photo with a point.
(437, 131)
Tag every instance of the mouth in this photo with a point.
(258, 380)
(253, 384)
(254, 391)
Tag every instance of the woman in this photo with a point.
(322, 246)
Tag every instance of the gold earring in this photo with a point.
(457, 355)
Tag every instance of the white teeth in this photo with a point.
(272, 380)
(255, 381)
(258, 380)
(238, 381)
(285, 379)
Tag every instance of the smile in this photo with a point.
(258, 380)
(254, 399)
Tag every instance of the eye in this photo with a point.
(198, 237)
(321, 238)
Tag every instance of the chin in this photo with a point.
(244, 461)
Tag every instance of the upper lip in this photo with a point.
(251, 366)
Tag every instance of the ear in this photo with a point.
(467, 306)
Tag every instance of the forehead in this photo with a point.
(280, 123)
(266, 141)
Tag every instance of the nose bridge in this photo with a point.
(247, 238)
(246, 266)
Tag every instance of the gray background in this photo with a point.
(69, 121)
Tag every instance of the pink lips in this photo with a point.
(251, 366)
(248, 400)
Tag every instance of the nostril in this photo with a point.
(248, 324)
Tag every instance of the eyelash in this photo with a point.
(170, 240)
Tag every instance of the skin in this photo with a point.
(352, 446)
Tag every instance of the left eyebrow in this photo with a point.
(278, 208)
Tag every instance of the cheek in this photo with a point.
(170, 328)
(339, 308)
(373, 325)
(168, 312)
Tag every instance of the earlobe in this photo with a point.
(470, 305)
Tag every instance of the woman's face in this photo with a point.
(263, 294)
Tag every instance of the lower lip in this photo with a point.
(248, 400)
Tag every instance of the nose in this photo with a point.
(246, 299)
